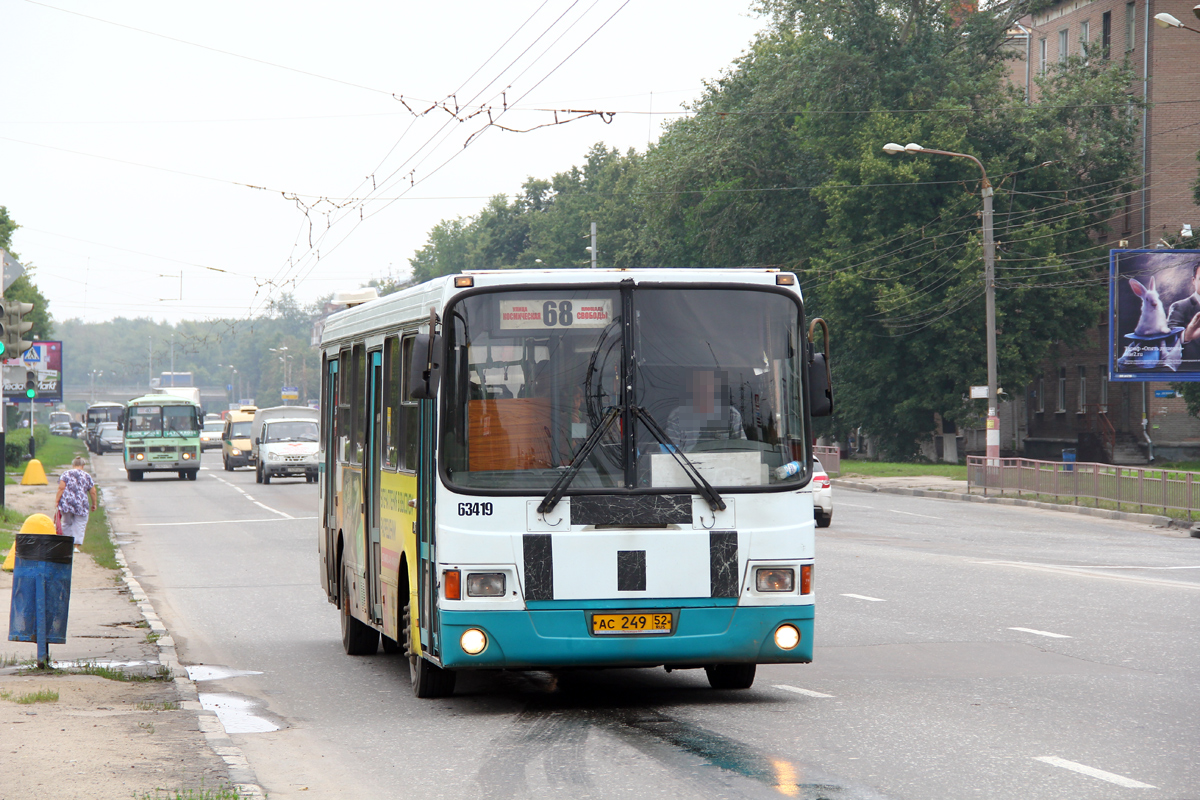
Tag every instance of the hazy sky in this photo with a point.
(134, 135)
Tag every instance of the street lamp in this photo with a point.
(989, 283)
(1165, 20)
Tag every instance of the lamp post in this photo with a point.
(989, 283)
(1169, 21)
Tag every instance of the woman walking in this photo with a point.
(76, 497)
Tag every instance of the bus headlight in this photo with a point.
(775, 579)
(787, 637)
(141, 456)
(485, 584)
(473, 641)
(233, 451)
(186, 456)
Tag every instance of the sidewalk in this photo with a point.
(102, 738)
(943, 488)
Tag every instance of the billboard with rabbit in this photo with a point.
(1154, 314)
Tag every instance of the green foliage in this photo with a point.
(548, 225)
(780, 164)
(16, 448)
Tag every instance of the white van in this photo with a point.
(284, 443)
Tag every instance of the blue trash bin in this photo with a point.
(1069, 460)
(41, 591)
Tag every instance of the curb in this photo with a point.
(241, 774)
(1153, 520)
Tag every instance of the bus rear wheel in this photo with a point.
(731, 676)
(428, 679)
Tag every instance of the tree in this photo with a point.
(23, 289)
(781, 165)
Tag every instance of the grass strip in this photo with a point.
(220, 793)
(97, 540)
(890, 469)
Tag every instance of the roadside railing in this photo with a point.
(1145, 487)
(831, 458)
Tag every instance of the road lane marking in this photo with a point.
(798, 690)
(856, 505)
(912, 514)
(1039, 633)
(1084, 769)
(1087, 572)
(252, 500)
(219, 522)
(864, 597)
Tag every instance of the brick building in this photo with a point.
(1072, 404)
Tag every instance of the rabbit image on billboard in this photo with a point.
(1149, 348)
(1156, 313)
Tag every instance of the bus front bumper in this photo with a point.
(550, 638)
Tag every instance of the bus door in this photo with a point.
(370, 468)
(427, 561)
(328, 482)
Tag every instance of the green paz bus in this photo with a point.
(162, 434)
(573, 468)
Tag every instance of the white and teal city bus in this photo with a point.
(573, 468)
(162, 434)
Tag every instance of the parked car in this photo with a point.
(61, 429)
(210, 436)
(109, 437)
(822, 495)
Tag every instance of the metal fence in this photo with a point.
(831, 458)
(1148, 488)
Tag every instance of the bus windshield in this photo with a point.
(163, 421)
(533, 373)
(290, 431)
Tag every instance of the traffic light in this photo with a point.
(13, 328)
(30, 384)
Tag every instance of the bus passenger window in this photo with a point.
(345, 378)
(358, 404)
(409, 419)
(391, 402)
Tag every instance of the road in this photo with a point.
(963, 650)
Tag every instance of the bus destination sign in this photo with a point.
(547, 314)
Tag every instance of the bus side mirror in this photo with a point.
(426, 368)
(820, 378)
(820, 388)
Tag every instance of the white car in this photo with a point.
(211, 435)
(822, 495)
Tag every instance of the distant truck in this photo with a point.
(186, 392)
(284, 443)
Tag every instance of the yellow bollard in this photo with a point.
(34, 475)
(34, 523)
(38, 523)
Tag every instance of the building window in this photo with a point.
(1103, 373)
(1082, 389)
(1062, 389)
(1105, 33)
(1085, 38)
(1063, 46)
(1130, 25)
(1041, 394)
(1041, 55)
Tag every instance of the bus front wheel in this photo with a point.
(135, 475)
(428, 679)
(730, 676)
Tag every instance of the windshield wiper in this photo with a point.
(710, 494)
(560, 486)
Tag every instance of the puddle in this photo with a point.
(209, 672)
(237, 714)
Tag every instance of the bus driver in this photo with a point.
(707, 417)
